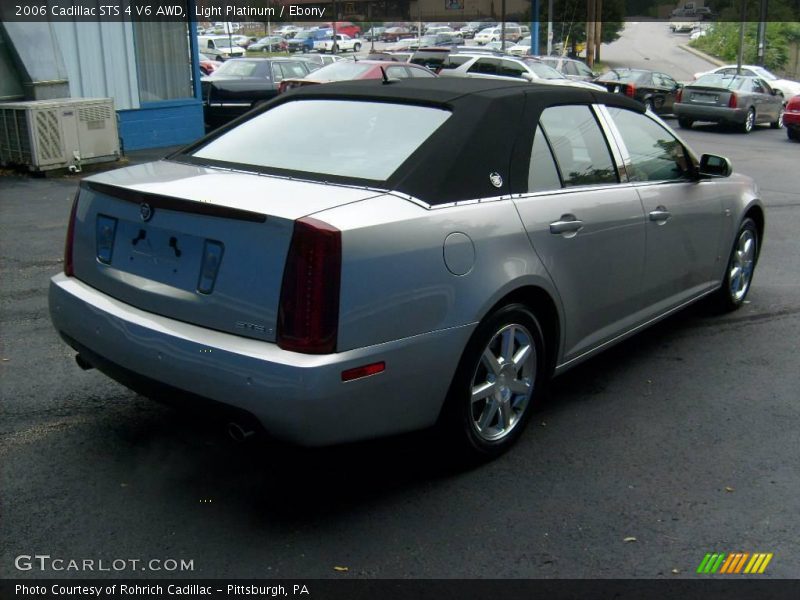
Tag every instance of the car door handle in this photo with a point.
(660, 214)
(567, 224)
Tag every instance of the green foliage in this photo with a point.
(722, 41)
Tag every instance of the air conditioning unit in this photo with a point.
(57, 134)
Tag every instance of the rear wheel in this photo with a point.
(648, 105)
(685, 123)
(792, 134)
(500, 378)
(356, 47)
(741, 265)
(778, 123)
(749, 121)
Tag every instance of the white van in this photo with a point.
(218, 47)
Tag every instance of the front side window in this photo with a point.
(655, 154)
(356, 139)
(511, 69)
(579, 145)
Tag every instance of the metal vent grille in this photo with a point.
(99, 112)
(15, 146)
(48, 134)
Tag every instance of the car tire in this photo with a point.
(778, 123)
(749, 121)
(648, 105)
(793, 134)
(482, 427)
(685, 123)
(356, 47)
(741, 266)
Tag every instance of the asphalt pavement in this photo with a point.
(681, 441)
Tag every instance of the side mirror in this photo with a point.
(712, 165)
(528, 77)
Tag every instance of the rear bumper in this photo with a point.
(791, 119)
(715, 114)
(296, 397)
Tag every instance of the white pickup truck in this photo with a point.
(343, 42)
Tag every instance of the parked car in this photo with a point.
(470, 29)
(438, 39)
(395, 34)
(653, 89)
(682, 26)
(499, 46)
(218, 47)
(786, 87)
(362, 69)
(374, 33)
(345, 27)
(342, 43)
(730, 99)
(310, 287)
(287, 31)
(317, 61)
(243, 41)
(791, 119)
(208, 65)
(493, 34)
(242, 83)
(521, 48)
(430, 58)
(303, 41)
(569, 67)
(274, 43)
(484, 66)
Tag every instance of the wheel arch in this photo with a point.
(756, 212)
(544, 307)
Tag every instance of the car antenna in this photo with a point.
(384, 76)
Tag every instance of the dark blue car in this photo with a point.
(303, 41)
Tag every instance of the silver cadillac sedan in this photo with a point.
(367, 258)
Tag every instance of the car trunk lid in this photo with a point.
(200, 245)
(706, 96)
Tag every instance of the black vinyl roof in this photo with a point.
(491, 131)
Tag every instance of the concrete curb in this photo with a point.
(703, 55)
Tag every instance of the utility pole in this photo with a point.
(549, 27)
(762, 33)
(742, 24)
(535, 27)
(503, 25)
(590, 15)
(598, 29)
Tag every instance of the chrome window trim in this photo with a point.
(619, 151)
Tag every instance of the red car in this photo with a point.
(345, 27)
(344, 70)
(208, 66)
(791, 119)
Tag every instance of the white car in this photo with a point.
(218, 47)
(521, 48)
(343, 43)
(787, 87)
(493, 34)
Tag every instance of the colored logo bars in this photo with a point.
(734, 563)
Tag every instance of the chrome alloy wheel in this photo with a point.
(742, 264)
(503, 383)
(750, 121)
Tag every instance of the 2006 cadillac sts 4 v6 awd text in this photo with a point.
(365, 258)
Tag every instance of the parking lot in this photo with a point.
(678, 442)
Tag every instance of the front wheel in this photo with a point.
(793, 134)
(499, 380)
(356, 47)
(741, 265)
(685, 123)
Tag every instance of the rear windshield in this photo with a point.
(729, 82)
(362, 140)
(341, 71)
(237, 68)
(624, 76)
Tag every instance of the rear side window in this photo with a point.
(453, 62)
(655, 154)
(511, 69)
(542, 172)
(485, 66)
(579, 145)
(363, 140)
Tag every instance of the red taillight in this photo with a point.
(69, 267)
(308, 315)
(679, 95)
(733, 102)
(630, 90)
